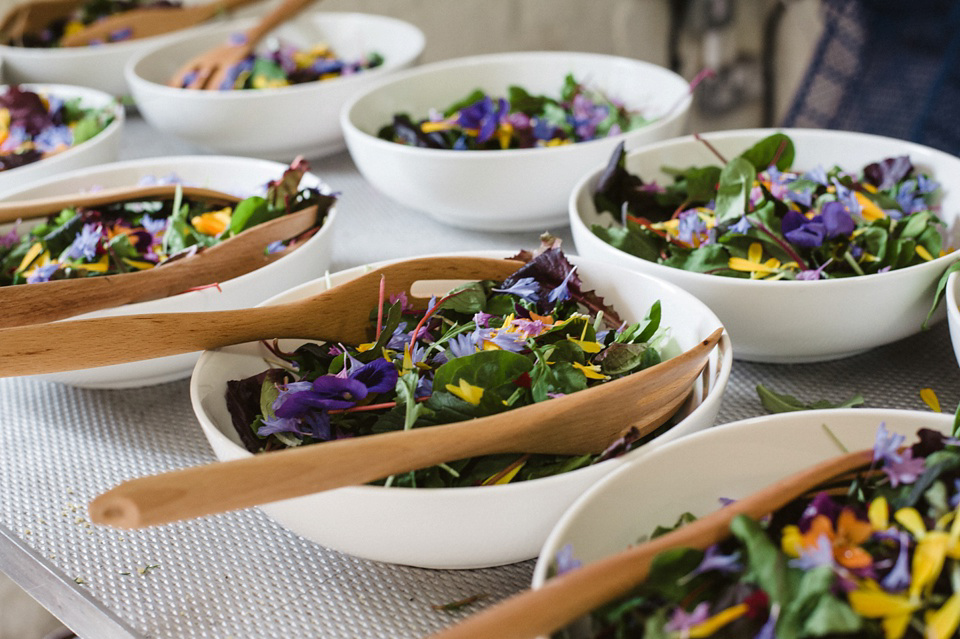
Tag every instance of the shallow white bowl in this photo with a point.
(793, 321)
(98, 67)
(101, 148)
(241, 176)
(460, 527)
(742, 457)
(276, 123)
(519, 189)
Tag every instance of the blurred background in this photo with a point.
(759, 49)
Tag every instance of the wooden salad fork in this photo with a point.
(149, 21)
(48, 301)
(565, 598)
(209, 69)
(579, 423)
(340, 315)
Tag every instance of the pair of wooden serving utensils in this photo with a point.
(49, 301)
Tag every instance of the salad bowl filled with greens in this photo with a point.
(553, 328)
(808, 244)
(47, 129)
(133, 236)
(284, 100)
(495, 142)
(867, 555)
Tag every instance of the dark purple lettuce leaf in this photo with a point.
(26, 109)
(886, 173)
(549, 269)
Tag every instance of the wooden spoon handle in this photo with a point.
(24, 209)
(566, 598)
(149, 21)
(199, 490)
(50, 301)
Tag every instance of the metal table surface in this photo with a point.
(240, 575)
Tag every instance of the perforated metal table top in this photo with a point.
(240, 575)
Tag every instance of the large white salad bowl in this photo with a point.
(101, 148)
(793, 321)
(276, 123)
(511, 190)
(240, 176)
(742, 457)
(460, 527)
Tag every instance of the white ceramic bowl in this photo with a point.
(241, 176)
(98, 67)
(743, 457)
(793, 321)
(103, 147)
(519, 189)
(459, 527)
(276, 123)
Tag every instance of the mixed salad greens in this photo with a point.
(875, 556)
(84, 15)
(484, 348)
(518, 121)
(283, 65)
(35, 125)
(136, 235)
(756, 217)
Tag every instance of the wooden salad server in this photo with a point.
(564, 599)
(210, 68)
(149, 21)
(32, 16)
(13, 210)
(340, 315)
(48, 301)
(583, 422)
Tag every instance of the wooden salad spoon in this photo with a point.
(209, 69)
(32, 16)
(579, 423)
(565, 598)
(149, 21)
(340, 315)
(14, 210)
(48, 301)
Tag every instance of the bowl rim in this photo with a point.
(180, 160)
(658, 148)
(951, 299)
(729, 429)
(677, 111)
(412, 31)
(69, 91)
(213, 432)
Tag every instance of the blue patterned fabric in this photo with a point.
(890, 67)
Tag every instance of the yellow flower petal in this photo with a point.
(910, 519)
(943, 623)
(466, 391)
(879, 513)
(587, 346)
(930, 398)
(710, 625)
(592, 372)
(32, 253)
(923, 253)
(868, 208)
(928, 561)
(877, 604)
